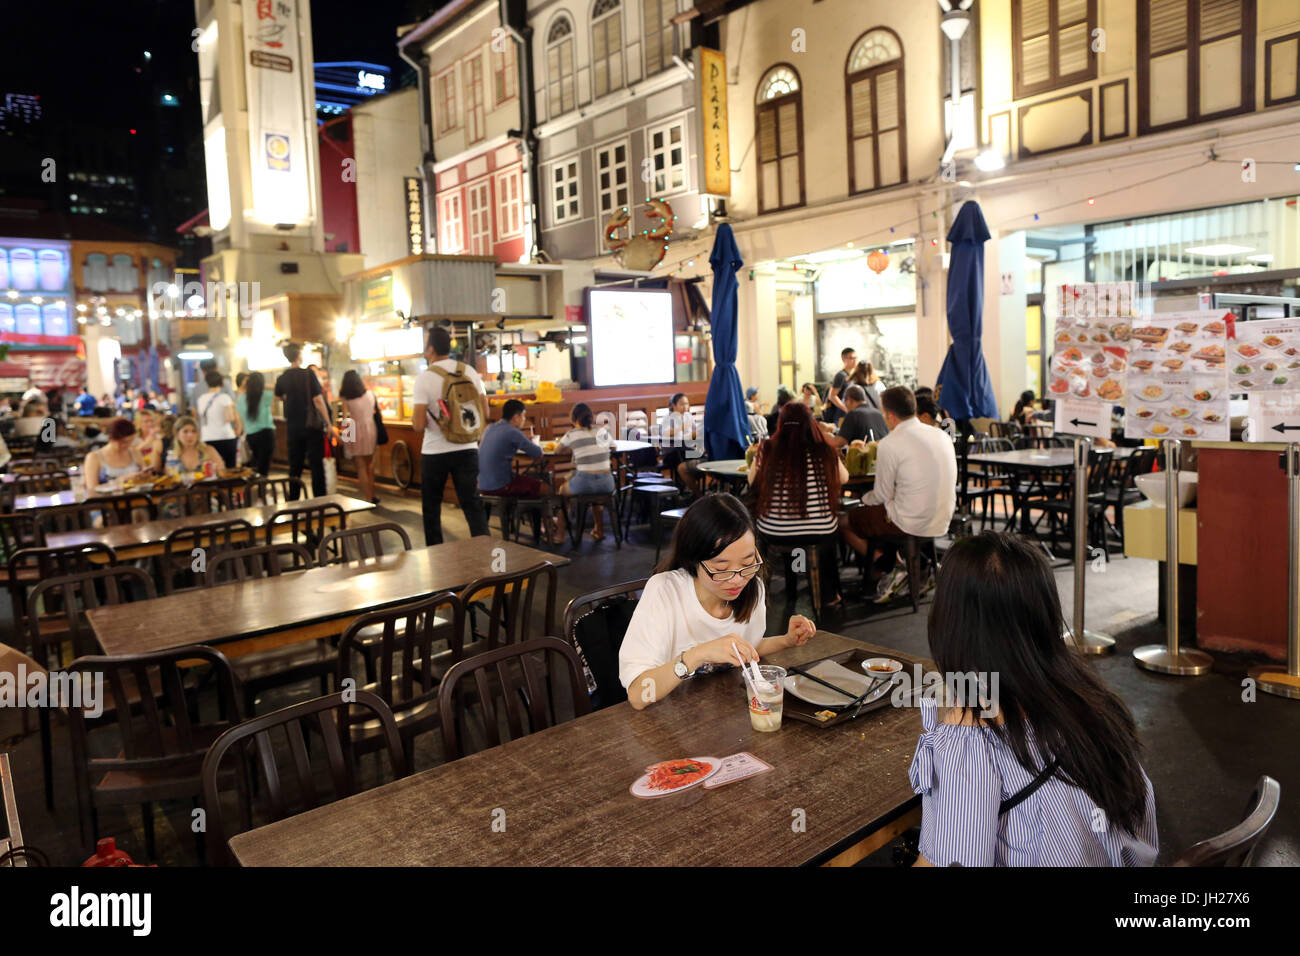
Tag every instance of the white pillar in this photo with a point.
(1010, 318)
(767, 358)
(931, 312)
(805, 341)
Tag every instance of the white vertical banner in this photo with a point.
(276, 117)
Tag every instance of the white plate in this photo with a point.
(641, 788)
(819, 696)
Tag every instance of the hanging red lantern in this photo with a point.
(878, 262)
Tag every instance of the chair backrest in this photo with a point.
(195, 500)
(35, 466)
(73, 595)
(18, 530)
(509, 600)
(1236, 847)
(1141, 461)
(362, 542)
(262, 561)
(219, 534)
(40, 484)
(307, 525)
(404, 656)
(273, 491)
(30, 566)
(523, 695)
(324, 713)
(595, 624)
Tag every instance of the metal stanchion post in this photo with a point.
(1169, 658)
(1087, 642)
(1269, 678)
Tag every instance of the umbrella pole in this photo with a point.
(1087, 642)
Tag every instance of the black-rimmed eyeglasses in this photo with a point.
(721, 576)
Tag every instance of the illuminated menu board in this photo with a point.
(631, 334)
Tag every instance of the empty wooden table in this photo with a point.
(320, 602)
(146, 538)
(61, 499)
(833, 795)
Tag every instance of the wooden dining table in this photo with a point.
(833, 795)
(61, 499)
(142, 539)
(270, 612)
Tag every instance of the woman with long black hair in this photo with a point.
(1039, 766)
(704, 603)
(797, 475)
(259, 431)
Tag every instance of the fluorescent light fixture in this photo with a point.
(1262, 257)
(901, 242)
(1218, 249)
(194, 356)
(989, 161)
(831, 255)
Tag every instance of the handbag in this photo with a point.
(381, 430)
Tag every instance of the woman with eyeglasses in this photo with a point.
(704, 604)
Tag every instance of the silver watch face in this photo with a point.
(680, 669)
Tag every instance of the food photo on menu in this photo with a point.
(1265, 356)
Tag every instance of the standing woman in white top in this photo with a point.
(705, 603)
(219, 423)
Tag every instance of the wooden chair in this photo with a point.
(273, 491)
(73, 595)
(262, 561)
(35, 466)
(178, 556)
(408, 670)
(598, 646)
(273, 667)
(161, 742)
(44, 483)
(513, 685)
(18, 530)
(360, 543)
(195, 500)
(307, 526)
(1236, 847)
(510, 609)
(302, 794)
(28, 567)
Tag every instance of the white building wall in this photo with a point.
(386, 141)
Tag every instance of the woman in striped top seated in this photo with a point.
(590, 446)
(798, 476)
(1034, 762)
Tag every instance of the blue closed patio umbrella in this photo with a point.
(966, 391)
(726, 429)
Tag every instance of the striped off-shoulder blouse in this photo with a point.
(964, 773)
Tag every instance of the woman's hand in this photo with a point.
(720, 651)
(801, 631)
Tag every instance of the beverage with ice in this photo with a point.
(765, 702)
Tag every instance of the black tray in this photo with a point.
(802, 710)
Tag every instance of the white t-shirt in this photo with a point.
(916, 478)
(212, 416)
(669, 619)
(428, 391)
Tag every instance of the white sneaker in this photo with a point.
(891, 586)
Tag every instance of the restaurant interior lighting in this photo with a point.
(989, 161)
(1218, 249)
(81, 307)
(37, 300)
(12, 294)
(342, 329)
(197, 355)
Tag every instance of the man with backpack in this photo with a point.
(451, 410)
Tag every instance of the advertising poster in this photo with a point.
(1090, 356)
(1177, 380)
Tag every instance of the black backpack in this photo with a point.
(599, 634)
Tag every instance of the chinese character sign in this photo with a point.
(714, 153)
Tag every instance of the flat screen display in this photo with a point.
(631, 336)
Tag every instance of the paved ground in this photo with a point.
(1204, 744)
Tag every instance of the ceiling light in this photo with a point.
(1218, 249)
(989, 161)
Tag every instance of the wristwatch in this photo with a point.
(680, 668)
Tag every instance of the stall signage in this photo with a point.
(683, 356)
(414, 215)
(715, 155)
(1274, 417)
(1089, 359)
(1078, 416)
(1177, 380)
(377, 294)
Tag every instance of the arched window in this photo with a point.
(606, 47)
(560, 96)
(778, 121)
(95, 273)
(876, 125)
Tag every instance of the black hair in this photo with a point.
(253, 393)
(922, 390)
(997, 611)
(581, 415)
(213, 378)
(1026, 400)
(708, 527)
(675, 399)
(292, 351)
(845, 353)
(240, 379)
(440, 340)
(783, 395)
(855, 393)
(898, 400)
(926, 405)
(511, 408)
(351, 386)
(207, 365)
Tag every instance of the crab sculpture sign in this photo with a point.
(644, 250)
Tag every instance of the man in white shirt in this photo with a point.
(439, 456)
(915, 491)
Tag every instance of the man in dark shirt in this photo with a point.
(863, 422)
(300, 390)
(835, 406)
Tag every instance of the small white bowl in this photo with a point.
(893, 667)
(1153, 487)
